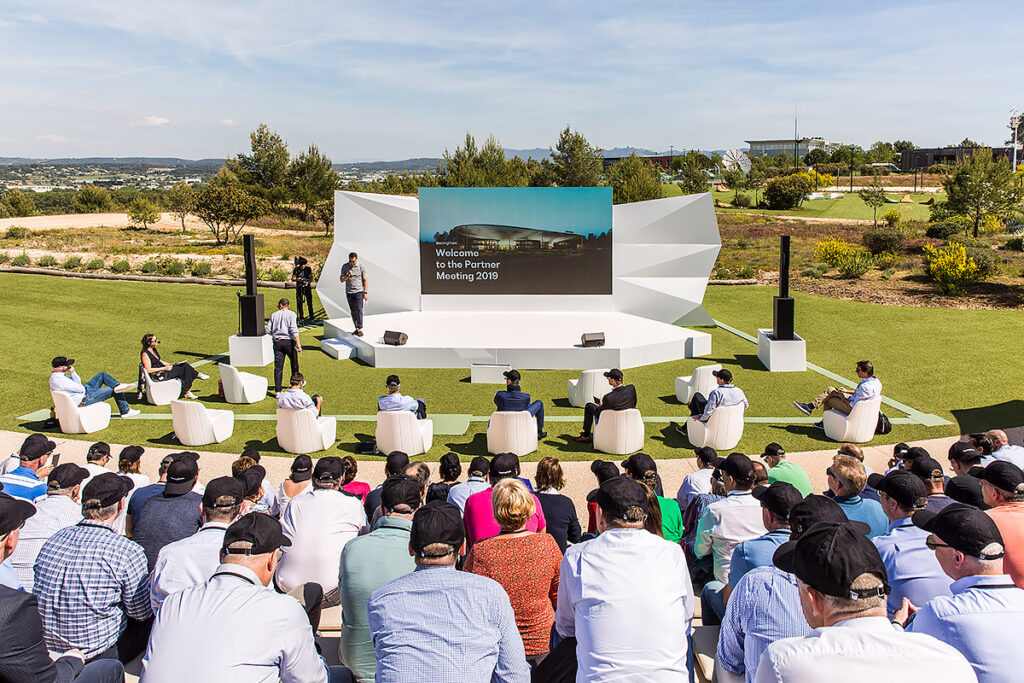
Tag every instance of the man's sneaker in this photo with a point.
(202, 375)
(820, 424)
(804, 408)
(132, 412)
(190, 395)
(541, 435)
(122, 387)
(583, 438)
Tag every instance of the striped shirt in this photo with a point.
(53, 513)
(88, 580)
(23, 483)
(282, 324)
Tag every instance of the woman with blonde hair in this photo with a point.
(559, 510)
(525, 563)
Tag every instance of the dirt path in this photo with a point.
(167, 223)
(806, 219)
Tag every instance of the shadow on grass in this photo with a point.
(39, 426)
(167, 439)
(670, 399)
(195, 354)
(1008, 414)
(810, 431)
(566, 444)
(466, 380)
(477, 446)
(562, 403)
(671, 437)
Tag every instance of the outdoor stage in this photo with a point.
(523, 339)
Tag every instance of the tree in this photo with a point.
(787, 192)
(226, 206)
(311, 180)
(693, 180)
(181, 199)
(143, 213)
(874, 196)
(980, 186)
(903, 145)
(325, 214)
(881, 153)
(264, 171)
(816, 156)
(848, 155)
(17, 204)
(755, 181)
(575, 162)
(634, 179)
(1020, 131)
(472, 166)
(92, 199)
(735, 179)
(967, 142)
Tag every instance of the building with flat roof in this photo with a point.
(772, 148)
(916, 159)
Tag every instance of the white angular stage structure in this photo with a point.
(662, 255)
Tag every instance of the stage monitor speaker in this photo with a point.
(393, 338)
(250, 308)
(592, 339)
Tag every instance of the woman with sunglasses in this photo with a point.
(159, 370)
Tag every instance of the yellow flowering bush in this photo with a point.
(831, 251)
(951, 268)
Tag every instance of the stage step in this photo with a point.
(337, 348)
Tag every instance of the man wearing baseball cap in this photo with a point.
(394, 463)
(724, 395)
(369, 562)
(438, 624)
(764, 605)
(911, 567)
(514, 398)
(479, 471)
(58, 510)
(1002, 485)
(843, 585)
(963, 457)
(929, 471)
(479, 513)
(13, 513)
(194, 559)
(233, 627)
(64, 379)
(982, 617)
(171, 515)
(777, 500)
(697, 482)
(621, 397)
(27, 481)
(394, 401)
(780, 469)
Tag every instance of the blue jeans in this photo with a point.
(100, 388)
(712, 603)
(102, 671)
(537, 410)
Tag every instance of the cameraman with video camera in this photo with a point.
(302, 276)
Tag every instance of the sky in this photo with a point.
(401, 79)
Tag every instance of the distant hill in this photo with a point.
(114, 161)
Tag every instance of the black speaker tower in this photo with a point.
(782, 327)
(250, 304)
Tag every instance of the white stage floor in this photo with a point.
(526, 340)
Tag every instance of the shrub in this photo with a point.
(278, 275)
(888, 260)
(951, 268)
(967, 241)
(990, 224)
(21, 259)
(173, 267)
(95, 264)
(120, 267)
(879, 241)
(887, 274)
(944, 229)
(746, 273)
(742, 201)
(149, 267)
(72, 262)
(742, 243)
(16, 233)
(855, 264)
(831, 251)
(1015, 244)
(986, 260)
(786, 192)
(892, 217)
(722, 273)
(816, 271)
(201, 269)
(4, 258)
(47, 261)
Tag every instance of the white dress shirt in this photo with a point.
(861, 650)
(319, 523)
(70, 384)
(270, 498)
(53, 513)
(188, 562)
(283, 497)
(726, 524)
(232, 629)
(627, 599)
(294, 398)
(694, 484)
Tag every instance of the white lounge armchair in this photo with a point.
(80, 419)
(701, 381)
(303, 431)
(242, 387)
(857, 427)
(161, 393)
(399, 430)
(512, 431)
(722, 431)
(590, 385)
(619, 431)
(196, 425)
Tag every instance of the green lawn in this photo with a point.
(959, 365)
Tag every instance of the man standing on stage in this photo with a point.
(354, 277)
(302, 276)
(283, 327)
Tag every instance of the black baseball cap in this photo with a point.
(302, 468)
(965, 528)
(738, 466)
(260, 529)
(902, 486)
(512, 376)
(330, 468)
(479, 465)
(392, 380)
(815, 508)
(396, 462)
(638, 464)
(828, 557)
(13, 513)
(614, 374)
(131, 453)
(437, 522)
(186, 455)
(35, 446)
(504, 465)
(181, 476)
(61, 360)
(900, 450)
(706, 454)
(773, 450)
(963, 451)
(724, 374)
(963, 488)
(98, 448)
(220, 487)
(778, 498)
(926, 468)
(251, 453)
(915, 452)
(400, 490)
(1004, 475)
(66, 475)
(104, 490)
(618, 494)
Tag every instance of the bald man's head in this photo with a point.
(999, 438)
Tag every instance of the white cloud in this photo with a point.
(152, 122)
(228, 123)
(51, 137)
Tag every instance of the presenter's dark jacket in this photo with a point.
(23, 654)
(512, 398)
(621, 397)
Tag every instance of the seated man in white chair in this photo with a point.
(294, 398)
(394, 401)
(64, 379)
(843, 399)
(724, 395)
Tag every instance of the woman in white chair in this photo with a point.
(159, 370)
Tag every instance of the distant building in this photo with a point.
(917, 159)
(773, 148)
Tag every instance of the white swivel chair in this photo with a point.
(591, 384)
(722, 431)
(399, 430)
(512, 431)
(161, 393)
(303, 431)
(196, 425)
(242, 387)
(78, 419)
(701, 381)
(857, 427)
(619, 431)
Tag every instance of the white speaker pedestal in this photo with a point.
(250, 352)
(778, 355)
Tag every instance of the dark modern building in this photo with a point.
(918, 159)
(507, 237)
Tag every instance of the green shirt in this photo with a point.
(367, 563)
(791, 474)
(671, 520)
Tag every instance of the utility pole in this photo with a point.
(1015, 124)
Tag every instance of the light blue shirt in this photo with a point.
(460, 493)
(913, 571)
(868, 388)
(757, 552)
(294, 399)
(724, 395)
(859, 509)
(68, 384)
(1014, 454)
(764, 607)
(396, 402)
(9, 577)
(982, 619)
(282, 324)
